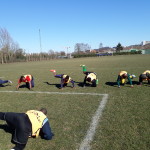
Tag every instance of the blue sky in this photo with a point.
(63, 23)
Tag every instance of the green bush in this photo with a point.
(128, 53)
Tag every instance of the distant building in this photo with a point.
(105, 50)
(130, 50)
(145, 42)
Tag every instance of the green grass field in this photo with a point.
(125, 122)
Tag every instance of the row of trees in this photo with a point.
(11, 52)
(8, 48)
(81, 47)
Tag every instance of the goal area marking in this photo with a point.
(85, 144)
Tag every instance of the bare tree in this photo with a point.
(62, 53)
(3, 43)
(7, 46)
(51, 54)
(81, 47)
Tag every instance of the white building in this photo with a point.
(145, 42)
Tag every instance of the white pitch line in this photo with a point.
(85, 144)
(61, 93)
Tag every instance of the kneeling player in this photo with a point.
(90, 77)
(144, 76)
(65, 79)
(122, 76)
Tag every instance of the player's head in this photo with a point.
(66, 78)
(124, 76)
(148, 75)
(22, 78)
(88, 79)
(44, 110)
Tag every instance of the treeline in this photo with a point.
(11, 52)
(128, 53)
(106, 54)
(76, 55)
(20, 56)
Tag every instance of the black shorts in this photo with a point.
(21, 126)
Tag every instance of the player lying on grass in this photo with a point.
(65, 79)
(5, 81)
(144, 76)
(25, 125)
(89, 77)
(28, 79)
(122, 76)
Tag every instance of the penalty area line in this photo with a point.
(61, 93)
(85, 144)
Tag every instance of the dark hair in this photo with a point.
(124, 75)
(88, 79)
(94, 83)
(67, 77)
(148, 75)
(44, 110)
(21, 78)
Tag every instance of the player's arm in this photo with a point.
(130, 81)
(46, 132)
(30, 86)
(118, 80)
(29, 81)
(84, 82)
(73, 83)
(17, 87)
(61, 83)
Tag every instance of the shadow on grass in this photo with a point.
(80, 84)
(23, 86)
(111, 84)
(134, 82)
(1, 85)
(116, 85)
(57, 85)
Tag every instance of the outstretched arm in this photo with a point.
(84, 82)
(46, 132)
(17, 87)
(118, 80)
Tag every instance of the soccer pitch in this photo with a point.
(88, 138)
(101, 118)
